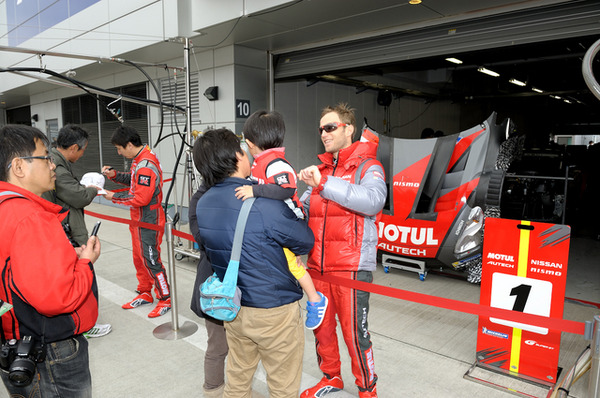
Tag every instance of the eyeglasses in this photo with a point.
(329, 127)
(47, 158)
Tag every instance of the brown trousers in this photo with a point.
(274, 336)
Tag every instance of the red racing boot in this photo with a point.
(368, 394)
(140, 299)
(325, 386)
(161, 308)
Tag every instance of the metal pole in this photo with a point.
(188, 87)
(101, 92)
(270, 82)
(564, 212)
(99, 59)
(99, 115)
(165, 331)
(594, 386)
(171, 330)
(171, 274)
(188, 136)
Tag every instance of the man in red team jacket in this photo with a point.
(342, 210)
(144, 198)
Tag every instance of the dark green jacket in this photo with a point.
(69, 193)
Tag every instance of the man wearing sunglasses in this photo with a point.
(50, 284)
(342, 208)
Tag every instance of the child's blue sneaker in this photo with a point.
(315, 312)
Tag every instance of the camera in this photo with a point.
(19, 358)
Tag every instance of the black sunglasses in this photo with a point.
(329, 127)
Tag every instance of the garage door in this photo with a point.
(572, 19)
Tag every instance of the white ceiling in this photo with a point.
(305, 24)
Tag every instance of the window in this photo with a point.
(173, 92)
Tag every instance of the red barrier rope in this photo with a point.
(456, 305)
(563, 325)
(124, 221)
(126, 189)
(128, 221)
(183, 235)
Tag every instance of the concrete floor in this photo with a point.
(420, 351)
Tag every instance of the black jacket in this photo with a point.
(204, 268)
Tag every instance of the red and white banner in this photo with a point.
(524, 268)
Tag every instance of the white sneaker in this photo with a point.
(98, 331)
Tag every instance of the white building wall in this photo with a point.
(113, 27)
(210, 12)
(105, 29)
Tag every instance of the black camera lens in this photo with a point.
(21, 372)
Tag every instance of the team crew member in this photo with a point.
(145, 201)
(342, 217)
(51, 284)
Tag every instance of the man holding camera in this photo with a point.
(50, 285)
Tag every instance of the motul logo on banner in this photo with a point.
(414, 235)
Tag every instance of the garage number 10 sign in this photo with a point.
(242, 108)
(524, 269)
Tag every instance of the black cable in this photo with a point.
(183, 140)
(159, 138)
(283, 7)
(178, 131)
(158, 95)
(83, 85)
(166, 204)
(58, 75)
(226, 37)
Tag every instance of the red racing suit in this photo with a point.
(342, 217)
(145, 201)
(53, 292)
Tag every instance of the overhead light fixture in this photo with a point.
(567, 101)
(517, 82)
(488, 71)
(555, 96)
(454, 60)
(414, 2)
(537, 90)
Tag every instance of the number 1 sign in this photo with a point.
(524, 269)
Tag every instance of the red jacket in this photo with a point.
(52, 291)
(271, 168)
(342, 214)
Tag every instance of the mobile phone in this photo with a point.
(96, 228)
